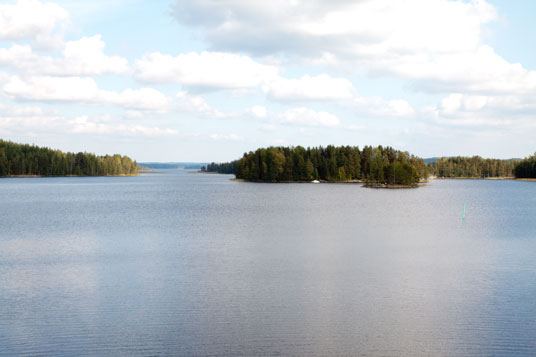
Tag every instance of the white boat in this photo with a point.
(315, 181)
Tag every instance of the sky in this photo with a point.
(206, 80)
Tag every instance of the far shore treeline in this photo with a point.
(23, 159)
(526, 168)
(222, 168)
(373, 165)
(477, 167)
(472, 167)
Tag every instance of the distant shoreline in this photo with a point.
(381, 185)
(483, 178)
(473, 178)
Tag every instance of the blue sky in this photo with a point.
(209, 80)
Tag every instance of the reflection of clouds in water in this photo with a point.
(33, 266)
(29, 280)
(47, 248)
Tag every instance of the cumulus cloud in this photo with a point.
(436, 44)
(87, 125)
(215, 70)
(17, 119)
(205, 70)
(322, 87)
(83, 90)
(359, 28)
(197, 105)
(306, 116)
(480, 110)
(377, 106)
(226, 137)
(40, 23)
(82, 57)
(480, 71)
(257, 111)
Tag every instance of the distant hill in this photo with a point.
(430, 160)
(434, 159)
(174, 165)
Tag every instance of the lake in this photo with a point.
(190, 264)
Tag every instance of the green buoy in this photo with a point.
(463, 214)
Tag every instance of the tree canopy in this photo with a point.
(24, 159)
(376, 165)
(223, 168)
(526, 168)
(471, 167)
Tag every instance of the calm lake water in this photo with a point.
(190, 264)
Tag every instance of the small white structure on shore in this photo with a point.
(315, 181)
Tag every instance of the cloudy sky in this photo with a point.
(207, 80)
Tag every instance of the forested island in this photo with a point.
(30, 160)
(376, 166)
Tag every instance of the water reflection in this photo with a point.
(196, 264)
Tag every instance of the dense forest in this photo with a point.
(23, 159)
(526, 168)
(223, 168)
(374, 165)
(471, 167)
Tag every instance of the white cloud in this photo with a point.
(257, 111)
(82, 57)
(355, 127)
(86, 56)
(226, 137)
(133, 114)
(20, 110)
(479, 71)
(478, 110)
(305, 116)
(17, 118)
(197, 105)
(41, 23)
(436, 44)
(358, 28)
(86, 125)
(322, 87)
(268, 127)
(377, 106)
(83, 90)
(205, 70)
(26, 119)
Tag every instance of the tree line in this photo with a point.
(375, 165)
(24, 159)
(222, 168)
(526, 168)
(472, 167)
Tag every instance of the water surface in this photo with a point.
(190, 264)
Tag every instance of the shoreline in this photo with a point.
(41, 176)
(485, 178)
(473, 178)
(363, 183)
